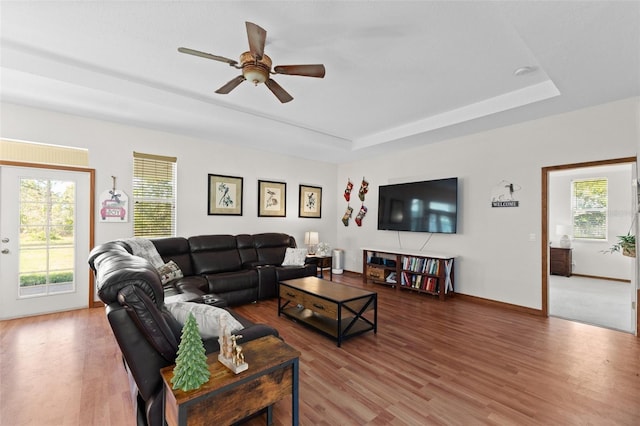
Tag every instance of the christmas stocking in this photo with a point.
(347, 191)
(361, 214)
(364, 188)
(347, 215)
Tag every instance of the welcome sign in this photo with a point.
(502, 195)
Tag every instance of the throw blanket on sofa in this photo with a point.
(144, 248)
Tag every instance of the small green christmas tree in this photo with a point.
(191, 369)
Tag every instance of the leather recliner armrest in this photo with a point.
(152, 322)
(267, 282)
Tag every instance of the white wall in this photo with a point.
(588, 258)
(110, 153)
(497, 259)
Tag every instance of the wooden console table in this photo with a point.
(227, 397)
(417, 271)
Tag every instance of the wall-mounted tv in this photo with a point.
(427, 206)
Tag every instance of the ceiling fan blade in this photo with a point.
(257, 37)
(277, 90)
(230, 85)
(207, 55)
(316, 70)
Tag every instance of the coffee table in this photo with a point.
(336, 310)
(228, 397)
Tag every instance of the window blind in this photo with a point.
(31, 152)
(589, 202)
(154, 195)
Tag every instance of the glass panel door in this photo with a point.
(47, 236)
(44, 240)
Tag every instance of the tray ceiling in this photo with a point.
(399, 74)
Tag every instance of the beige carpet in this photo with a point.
(598, 302)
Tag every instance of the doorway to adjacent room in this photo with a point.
(595, 287)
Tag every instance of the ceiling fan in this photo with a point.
(256, 66)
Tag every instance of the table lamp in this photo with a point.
(563, 230)
(311, 239)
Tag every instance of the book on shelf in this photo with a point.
(421, 265)
(431, 284)
(404, 279)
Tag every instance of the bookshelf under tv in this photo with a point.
(421, 272)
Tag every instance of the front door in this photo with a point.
(44, 240)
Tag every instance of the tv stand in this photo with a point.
(427, 273)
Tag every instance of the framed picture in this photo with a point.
(225, 195)
(310, 201)
(272, 199)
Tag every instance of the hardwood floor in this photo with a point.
(441, 363)
(62, 369)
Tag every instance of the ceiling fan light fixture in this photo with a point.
(255, 76)
(253, 70)
(256, 66)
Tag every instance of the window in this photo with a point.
(154, 195)
(47, 236)
(589, 208)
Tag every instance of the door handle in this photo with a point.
(5, 240)
(5, 251)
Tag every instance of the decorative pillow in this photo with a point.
(169, 271)
(208, 317)
(294, 257)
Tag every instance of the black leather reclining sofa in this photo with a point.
(239, 269)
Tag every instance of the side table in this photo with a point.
(560, 261)
(227, 397)
(322, 263)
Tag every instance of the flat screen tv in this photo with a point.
(427, 206)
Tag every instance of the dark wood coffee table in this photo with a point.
(333, 309)
(228, 397)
